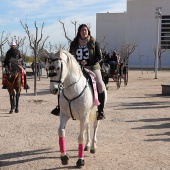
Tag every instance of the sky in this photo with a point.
(50, 12)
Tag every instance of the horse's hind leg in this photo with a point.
(94, 139)
(62, 143)
(17, 102)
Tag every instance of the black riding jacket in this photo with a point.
(12, 53)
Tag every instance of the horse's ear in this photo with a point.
(46, 51)
(60, 51)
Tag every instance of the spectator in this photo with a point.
(33, 67)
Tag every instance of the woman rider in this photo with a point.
(87, 52)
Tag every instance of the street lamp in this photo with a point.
(158, 16)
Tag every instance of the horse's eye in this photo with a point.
(58, 68)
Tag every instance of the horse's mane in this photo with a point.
(71, 61)
(13, 61)
(14, 64)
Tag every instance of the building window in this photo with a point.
(165, 32)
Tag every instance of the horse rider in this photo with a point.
(87, 52)
(13, 52)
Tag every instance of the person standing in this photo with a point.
(13, 52)
(87, 52)
(33, 66)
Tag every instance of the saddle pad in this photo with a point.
(95, 92)
(22, 75)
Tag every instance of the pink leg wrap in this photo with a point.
(81, 151)
(62, 144)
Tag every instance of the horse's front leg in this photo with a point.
(94, 139)
(12, 102)
(83, 125)
(17, 102)
(62, 142)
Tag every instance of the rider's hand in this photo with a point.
(83, 62)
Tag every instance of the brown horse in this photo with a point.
(13, 77)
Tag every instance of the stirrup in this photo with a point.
(100, 115)
(27, 87)
(56, 111)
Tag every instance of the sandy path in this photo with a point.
(135, 135)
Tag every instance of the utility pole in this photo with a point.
(158, 16)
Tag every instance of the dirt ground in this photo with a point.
(134, 136)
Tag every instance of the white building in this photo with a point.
(139, 26)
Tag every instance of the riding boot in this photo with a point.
(56, 111)
(101, 115)
(25, 82)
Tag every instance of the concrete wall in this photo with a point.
(137, 26)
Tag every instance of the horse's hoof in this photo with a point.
(92, 150)
(87, 148)
(64, 159)
(16, 110)
(80, 163)
(10, 112)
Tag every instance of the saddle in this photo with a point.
(90, 76)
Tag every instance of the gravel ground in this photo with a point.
(134, 136)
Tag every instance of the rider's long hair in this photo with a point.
(76, 39)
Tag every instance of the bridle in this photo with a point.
(60, 83)
(52, 71)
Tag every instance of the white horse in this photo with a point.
(76, 102)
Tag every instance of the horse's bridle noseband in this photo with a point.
(52, 71)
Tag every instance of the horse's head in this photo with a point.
(13, 65)
(57, 70)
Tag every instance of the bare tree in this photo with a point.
(19, 41)
(126, 49)
(56, 47)
(59, 46)
(160, 52)
(4, 40)
(103, 44)
(75, 26)
(36, 43)
(75, 29)
(65, 33)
